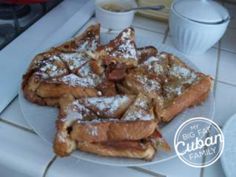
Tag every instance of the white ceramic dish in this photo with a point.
(228, 158)
(193, 31)
(115, 20)
(42, 119)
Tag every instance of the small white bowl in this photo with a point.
(115, 20)
(194, 37)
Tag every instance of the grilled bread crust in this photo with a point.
(136, 150)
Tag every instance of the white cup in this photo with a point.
(115, 20)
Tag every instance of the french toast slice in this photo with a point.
(122, 49)
(70, 111)
(184, 88)
(87, 41)
(140, 149)
(87, 124)
(46, 63)
(55, 73)
(128, 127)
(80, 84)
(181, 86)
(83, 83)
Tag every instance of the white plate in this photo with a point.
(228, 158)
(42, 119)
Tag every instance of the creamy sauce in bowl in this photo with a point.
(115, 7)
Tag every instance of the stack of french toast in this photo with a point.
(112, 97)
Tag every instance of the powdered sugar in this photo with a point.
(155, 67)
(88, 46)
(126, 50)
(149, 84)
(107, 105)
(85, 78)
(85, 70)
(140, 110)
(182, 77)
(138, 115)
(185, 74)
(51, 68)
(179, 71)
(76, 111)
(154, 64)
(74, 80)
(142, 103)
(74, 60)
(170, 90)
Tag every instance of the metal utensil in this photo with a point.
(159, 7)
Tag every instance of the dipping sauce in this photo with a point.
(115, 7)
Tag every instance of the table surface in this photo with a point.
(24, 153)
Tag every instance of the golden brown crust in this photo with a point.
(50, 90)
(194, 95)
(63, 147)
(91, 32)
(146, 152)
(131, 149)
(112, 131)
